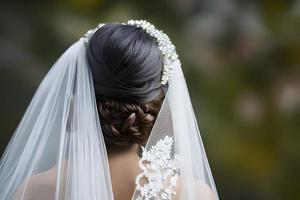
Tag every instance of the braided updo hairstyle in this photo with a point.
(126, 66)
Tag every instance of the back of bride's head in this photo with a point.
(126, 65)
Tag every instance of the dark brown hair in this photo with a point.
(126, 65)
(125, 124)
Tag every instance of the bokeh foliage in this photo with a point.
(241, 60)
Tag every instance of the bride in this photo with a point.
(112, 119)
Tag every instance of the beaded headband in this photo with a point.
(168, 50)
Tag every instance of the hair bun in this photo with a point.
(125, 124)
(128, 122)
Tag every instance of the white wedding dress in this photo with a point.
(58, 151)
(159, 180)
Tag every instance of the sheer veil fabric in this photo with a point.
(58, 151)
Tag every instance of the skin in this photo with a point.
(203, 191)
(123, 170)
(41, 185)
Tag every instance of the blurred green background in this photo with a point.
(240, 58)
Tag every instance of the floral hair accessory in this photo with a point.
(168, 50)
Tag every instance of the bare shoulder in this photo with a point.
(203, 191)
(41, 185)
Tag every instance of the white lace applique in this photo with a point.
(160, 172)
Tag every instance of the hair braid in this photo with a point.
(125, 124)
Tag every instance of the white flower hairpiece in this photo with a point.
(168, 50)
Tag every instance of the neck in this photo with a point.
(132, 152)
(124, 169)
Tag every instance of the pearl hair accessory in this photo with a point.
(168, 50)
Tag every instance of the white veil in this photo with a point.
(58, 151)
